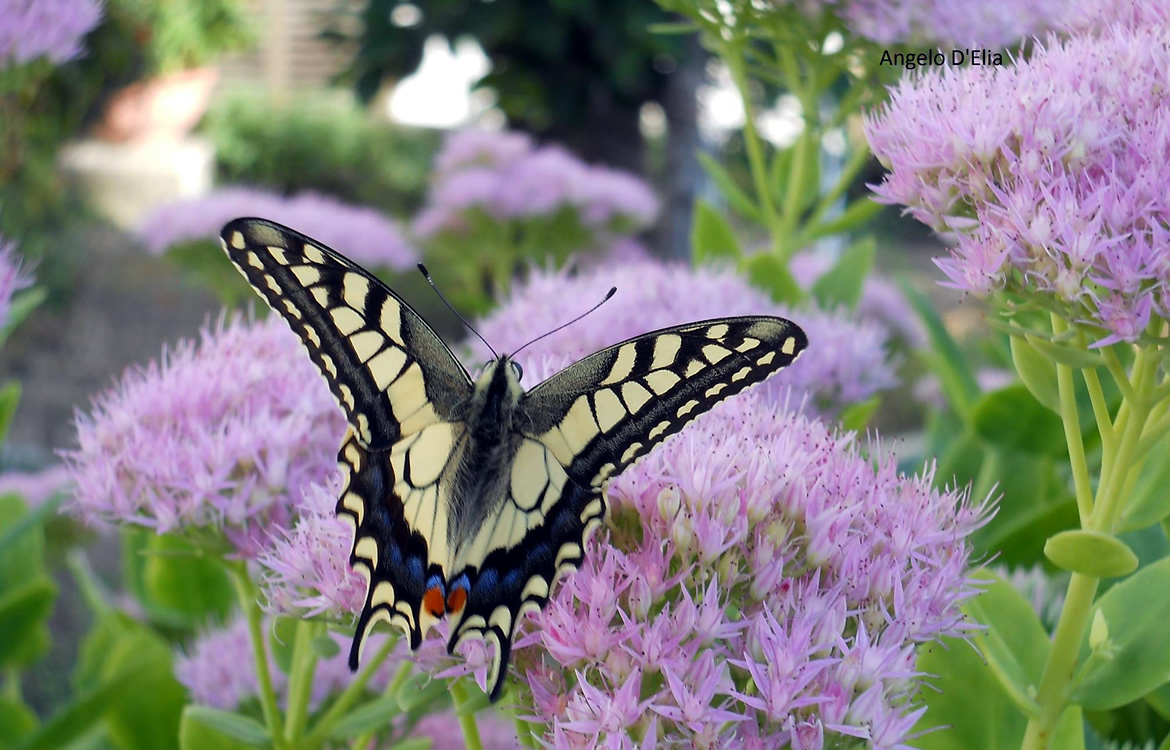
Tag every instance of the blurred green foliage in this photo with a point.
(586, 60)
(326, 144)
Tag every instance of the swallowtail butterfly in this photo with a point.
(470, 497)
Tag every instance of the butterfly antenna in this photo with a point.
(610, 293)
(427, 275)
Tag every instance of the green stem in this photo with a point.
(471, 738)
(1056, 681)
(348, 697)
(362, 741)
(1070, 417)
(1100, 406)
(857, 160)
(524, 732)
(249, 596)
(300, 679)
(733, 56)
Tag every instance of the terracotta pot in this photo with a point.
(165, 107)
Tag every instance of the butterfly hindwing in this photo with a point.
(603, 413)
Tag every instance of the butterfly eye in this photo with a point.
(519, 370)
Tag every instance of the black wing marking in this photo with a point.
(389, 371)
(603, 413)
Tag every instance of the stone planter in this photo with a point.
(163, 108)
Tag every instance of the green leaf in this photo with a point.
(766, 272)
(325, 647)
(282, 636)
(420, 690)
(946, 360)
(858, 213)
(1139, 660)
(1015, 644)
(22, 305)
(28, 522)
(24, 614)
(712, 238)
(1149, 502)
(1159, 700)
(681, 27)
(9, 399)
(735, 195)
(16, 720)
(1091, 553)
(476, 702)
(211, 728)
(1013, 419)
(805, 156)
(1070, 730)
(842, 284)
(856, 416)
(376, 713)
(1066, 355)
(83, 713)
(178, 577)
(1037, 372)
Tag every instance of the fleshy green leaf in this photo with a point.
(420, 690)
(1066, 355)
(83, 713)
(766, 272)
(16, 720)
(325, 647)
(204, 727)
(1013, 419)
(735, 195)
(1149, 502)
(1037, 372)
(856, 416)
(1091, 553)
(9, 399)
(178, 577)
(376, 713)
(24, 614)
(1015, 643)
(712, 238)
(842, 284)
(859, 213)
(281, 638)
(23, 303)
(1139, 660)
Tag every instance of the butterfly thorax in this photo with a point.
(482, 478)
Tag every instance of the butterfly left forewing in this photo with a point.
(583, 426)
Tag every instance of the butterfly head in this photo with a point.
(500, 380)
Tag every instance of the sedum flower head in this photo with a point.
(1050, 174)
(223, 434)
(762, 584)
(505, 177)
(847, 361)
(52, 29)
(363, 234)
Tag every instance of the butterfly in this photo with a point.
(470, 497)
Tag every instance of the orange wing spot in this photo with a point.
(456, 599)
(433, 601)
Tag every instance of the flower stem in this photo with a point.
(349, 696)
(1116, 469)
(248, 596)
(300, 679)
(466, 721)
(1070, 417)
(732, 54)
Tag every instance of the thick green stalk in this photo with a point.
(348, 697)
(1070, 417)
(249, 597)
(300, 680)
(1057, 679)
(471, 738)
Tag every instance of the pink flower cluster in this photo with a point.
(505, 177)
(847, 361)
(53, 29)
(360, 233)
(222, 434)
(1050, 173)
